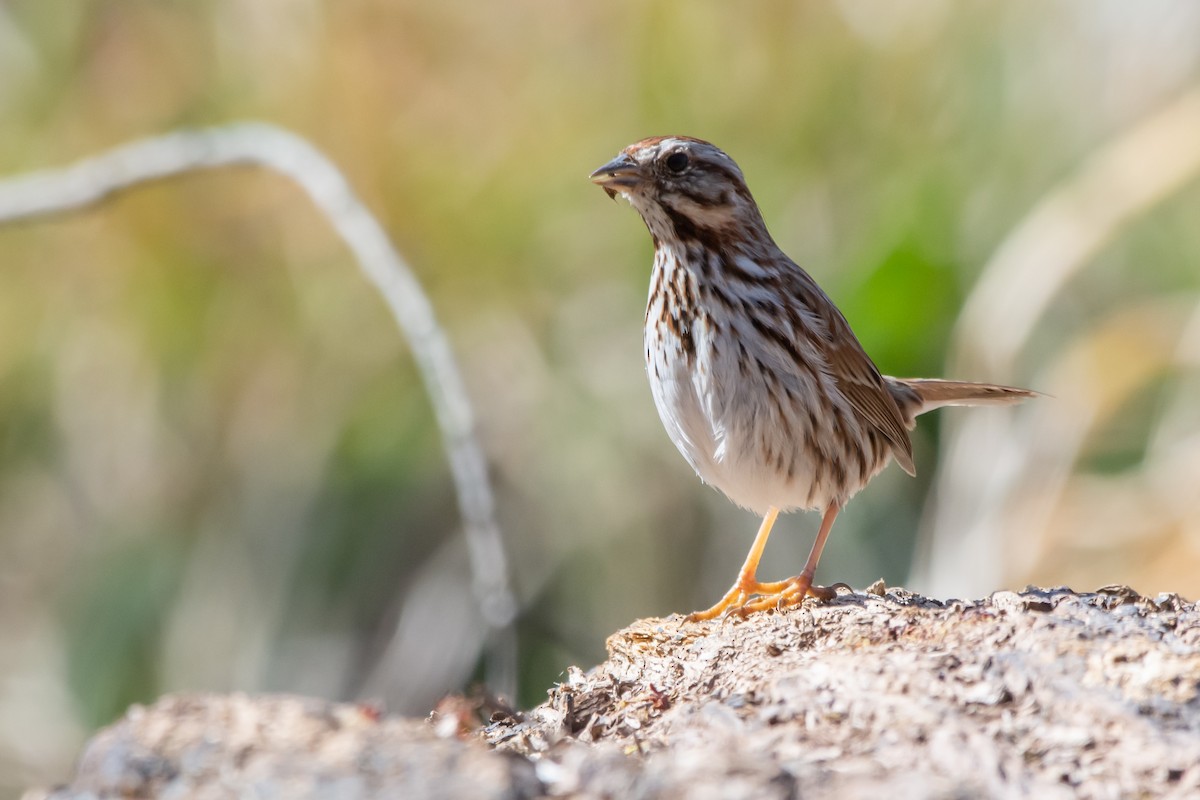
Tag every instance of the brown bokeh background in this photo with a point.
(218, 469)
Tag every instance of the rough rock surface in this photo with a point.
(1045, 693)
(277, 746)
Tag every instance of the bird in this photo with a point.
(756, 374)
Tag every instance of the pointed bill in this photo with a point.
(617, 175)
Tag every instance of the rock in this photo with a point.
(220, 746)
(1044, 693)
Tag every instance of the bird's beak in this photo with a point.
(619, 174)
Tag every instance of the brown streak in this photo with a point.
(779, 338)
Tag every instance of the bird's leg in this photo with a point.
(746, 584)
(793, 591)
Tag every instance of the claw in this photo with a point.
(779, 594)
(743, 600)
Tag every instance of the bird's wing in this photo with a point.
(861, 383)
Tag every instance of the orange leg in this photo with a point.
(797, 588)
(777, 593)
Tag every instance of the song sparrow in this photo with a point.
(756, 374)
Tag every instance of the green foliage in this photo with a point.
(114, 613)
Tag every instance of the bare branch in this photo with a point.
(92, 180)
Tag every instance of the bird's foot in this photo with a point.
(749, 595)
(792, 594)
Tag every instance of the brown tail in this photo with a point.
(918, 395)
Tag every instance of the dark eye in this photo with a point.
(677, 162)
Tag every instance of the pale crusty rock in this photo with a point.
(1044, 693)
(210, 747)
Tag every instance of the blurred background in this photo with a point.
(219, 470)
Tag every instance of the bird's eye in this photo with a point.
(677, 162)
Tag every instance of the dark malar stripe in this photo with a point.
(688, 231)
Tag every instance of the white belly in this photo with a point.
(715, 410)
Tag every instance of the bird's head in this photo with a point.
(684, 189)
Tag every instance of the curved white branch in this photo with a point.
(93, 179)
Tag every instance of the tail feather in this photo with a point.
(917, 395)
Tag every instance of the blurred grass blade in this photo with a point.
(964, 542)
(1070, 225)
